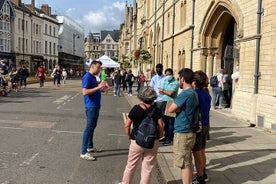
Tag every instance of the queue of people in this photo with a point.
(161, 99)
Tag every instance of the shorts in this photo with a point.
(182, 148)
(201, 138)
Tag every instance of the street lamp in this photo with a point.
(74, 41)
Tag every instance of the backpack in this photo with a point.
(196, 123)
(214, 81)
(147, 131)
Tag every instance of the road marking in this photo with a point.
(70, 132)
(50, 140)
(29, 161)
(12, 128)
(62, 99)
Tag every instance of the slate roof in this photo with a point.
(114, 34)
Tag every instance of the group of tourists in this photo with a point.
(59, 75)
(12, 77)
(172, 112)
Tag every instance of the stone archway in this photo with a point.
(223, 24)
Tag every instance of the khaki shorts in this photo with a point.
(183, 144)
(201, 138)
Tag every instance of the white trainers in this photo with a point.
(89, 150)
(87, 156)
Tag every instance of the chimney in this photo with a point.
(33, 5)
(46, 9)
(17, 2)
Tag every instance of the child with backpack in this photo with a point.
(138, 149)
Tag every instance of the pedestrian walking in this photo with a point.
(118, 79)
(91, 91)
(217, 91)
(148, 155)
(124, 80)
(57, 74)
(64, 76)
(226, 88)
(130, 80)
(41, 75)
(184, 138)
(23, 75)
(204, 99)
(140, 81)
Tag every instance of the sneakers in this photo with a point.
(87, 156)
(199, 180)
(205, 177)
(89, 150)
(163, 139)
(167, 142)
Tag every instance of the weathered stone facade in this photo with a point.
(237, 35)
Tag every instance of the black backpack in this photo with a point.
(196, 123)
(147, 131)
(214, 81)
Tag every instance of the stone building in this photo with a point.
(6, 20)
(109, 43)
(92, 46)
(236, 35)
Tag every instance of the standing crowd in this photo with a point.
(173, 112)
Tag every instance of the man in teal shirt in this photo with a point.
(184, 139)
(169, 91)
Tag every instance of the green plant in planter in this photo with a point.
(140, 56)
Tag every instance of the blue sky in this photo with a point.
(92, 15)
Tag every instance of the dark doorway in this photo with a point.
(227, 60)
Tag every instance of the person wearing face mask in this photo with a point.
(157, 82)
(169, 91)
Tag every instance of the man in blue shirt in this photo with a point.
(91, 91)
(184, 139)
(157, 82)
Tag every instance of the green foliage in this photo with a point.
(140, 56)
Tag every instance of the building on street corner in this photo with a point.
(209, 35)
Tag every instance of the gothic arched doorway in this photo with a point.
(218, 33)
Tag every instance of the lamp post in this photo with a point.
(74, 41)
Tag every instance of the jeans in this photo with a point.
(217, 93)
(169, 124)
(117, 89)
(130, 87)
(64, 79)
(41, 83)
(92, 114)
(23, 79)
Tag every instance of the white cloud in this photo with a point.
(108, 18)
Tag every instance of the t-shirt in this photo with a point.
(93, 100)
(205, 103)
(170, 84)
(137, 114)
(187, 101)
(103, 76)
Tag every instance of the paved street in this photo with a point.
(41, 133)
(41, 129)
(236, 153)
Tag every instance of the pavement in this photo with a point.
(236, 153)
